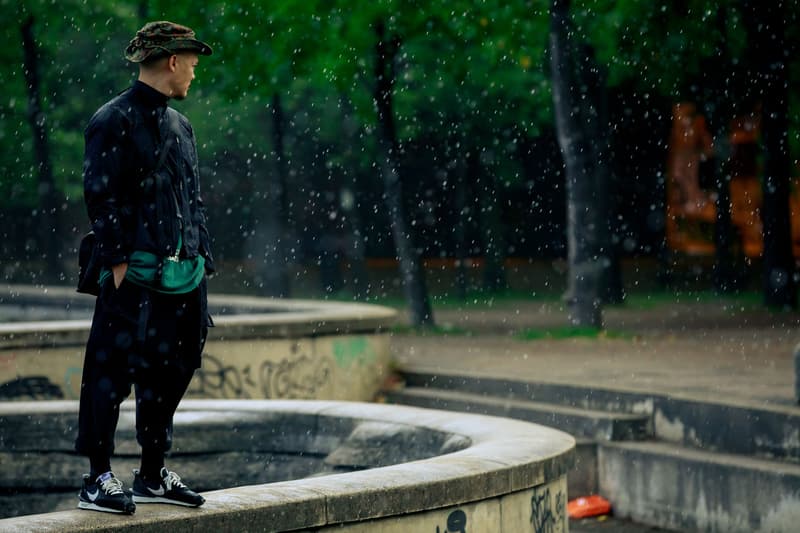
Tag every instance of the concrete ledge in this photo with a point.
(235, 316)
(508, 469)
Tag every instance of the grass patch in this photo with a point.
(745, 300)
(570, 332)
(473, 300)
(430, 331)
(479, 300)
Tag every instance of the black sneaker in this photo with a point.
(170, 489)
(105, 494)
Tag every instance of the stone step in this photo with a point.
(558, 393)
(580, 423)
(769, 431)
(689, 489)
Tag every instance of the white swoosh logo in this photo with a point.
(93, 495)
(158, 492)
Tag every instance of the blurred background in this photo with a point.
(437, 150)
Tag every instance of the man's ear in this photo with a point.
(172, 62)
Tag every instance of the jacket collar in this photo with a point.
(147, 96)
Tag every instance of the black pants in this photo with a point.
(148, 339)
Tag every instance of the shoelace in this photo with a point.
(173, 480)
(112, 486)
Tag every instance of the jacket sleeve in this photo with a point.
(104, 161)
(205, 239)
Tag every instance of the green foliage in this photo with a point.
(80, 66)
(658, 44)
(473, 73)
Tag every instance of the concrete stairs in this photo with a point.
(678, 463)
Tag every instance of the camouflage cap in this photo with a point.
(163, 38)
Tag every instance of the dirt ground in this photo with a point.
(706, 350)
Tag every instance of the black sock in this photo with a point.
(152, 463)
(98, 464)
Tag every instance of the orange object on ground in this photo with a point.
(588, 506)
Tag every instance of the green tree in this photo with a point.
(56, 64)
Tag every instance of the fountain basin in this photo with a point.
(409, 469)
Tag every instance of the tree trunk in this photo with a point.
(356, 247)
(594, 114)
(463, 210)
(494, 242)
(268, 241)
(356, 253)
(766, 25)
(719, 99)
(584, 217)
(724, 276)
(48, 204)
(413, 277)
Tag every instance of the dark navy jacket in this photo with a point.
(130, 206)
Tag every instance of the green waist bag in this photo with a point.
(167, 275)
(170, 275)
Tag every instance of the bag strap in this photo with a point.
(169, 120)
(166, 139)
(169, 123)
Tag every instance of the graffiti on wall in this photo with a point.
(30, 388)
(547, 512)
(456, 523)
(215, 379)
(294, 378)
(299, 375)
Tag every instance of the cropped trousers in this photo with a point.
(141, 338)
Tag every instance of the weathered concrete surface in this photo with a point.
(260, 348)
(689, 431)
(733, 427)
(503, 458)
(797, 374)
(582, 479)
(533, 510)
(712, 375)
(579, 422)
(689, 489)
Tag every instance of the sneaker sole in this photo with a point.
(94, 507)
(160, 499)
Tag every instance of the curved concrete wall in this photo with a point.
(501, 475)
(260, 348)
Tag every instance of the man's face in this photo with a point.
(182, 76)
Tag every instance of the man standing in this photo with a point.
(142, 193)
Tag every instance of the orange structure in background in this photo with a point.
(691, 210)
